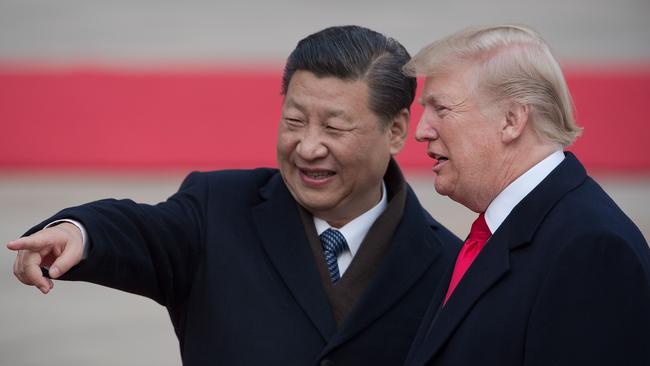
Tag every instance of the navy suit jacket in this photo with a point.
(229, 257)
(565, 280)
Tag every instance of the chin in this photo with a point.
(441, 188)
(314, 203)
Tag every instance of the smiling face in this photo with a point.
(463, 138)
(332, 149)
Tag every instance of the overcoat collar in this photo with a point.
(415, 247)
(283, 236)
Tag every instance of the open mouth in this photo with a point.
(439, 158)
(316, 176)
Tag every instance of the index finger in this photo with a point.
(36, 241)
(26, 242)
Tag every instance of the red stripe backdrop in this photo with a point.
(226, 118)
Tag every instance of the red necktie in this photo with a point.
(476, 240)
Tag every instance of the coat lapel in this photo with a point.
(493, 263)
(280, 228)
(490, 266)
(415, 248)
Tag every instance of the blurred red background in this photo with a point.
(225, 117)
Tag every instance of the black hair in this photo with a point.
(357, 53)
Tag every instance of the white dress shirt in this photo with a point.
(354, 231)
(502, 205)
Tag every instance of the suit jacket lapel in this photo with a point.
(493, 263)
(415, 248)
(283, 235)
(429, 317)
(490, 266)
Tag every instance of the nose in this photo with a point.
(426, 130)
(310, 146)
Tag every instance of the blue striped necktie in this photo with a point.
(333, 244)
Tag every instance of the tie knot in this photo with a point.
(333, 242)
(480, 230)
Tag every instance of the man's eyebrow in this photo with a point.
(332, 113)
(427, 99)
(438, 99)
(336, 113)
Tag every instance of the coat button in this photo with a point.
(327, 362)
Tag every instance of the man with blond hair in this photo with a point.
(552, 272)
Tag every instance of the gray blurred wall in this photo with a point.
(81, 324)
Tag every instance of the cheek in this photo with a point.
(474, 166)
(286, 143)
(460, 165)
(368, 155)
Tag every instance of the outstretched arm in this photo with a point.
(139, 248)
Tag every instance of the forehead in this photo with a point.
(308, 90)
(451, 83)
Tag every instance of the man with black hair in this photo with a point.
(328, 260)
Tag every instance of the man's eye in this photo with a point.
(294, 121)
(337, 128)
(440, 108)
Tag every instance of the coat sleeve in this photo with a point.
(150, 250)
(594, 305)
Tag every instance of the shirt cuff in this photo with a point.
(84, 234)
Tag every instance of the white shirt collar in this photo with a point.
(502, 205)
(355, 231)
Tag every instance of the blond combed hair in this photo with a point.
(512, 64)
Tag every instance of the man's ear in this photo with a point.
(399, 129)
(516, 119)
